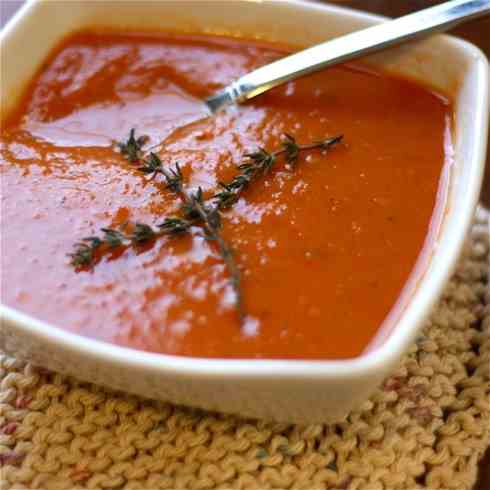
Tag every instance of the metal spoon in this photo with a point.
(354, 45)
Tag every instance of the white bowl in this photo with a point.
(294, 391)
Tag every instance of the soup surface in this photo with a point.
(324, 248)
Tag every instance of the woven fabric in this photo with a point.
(425, 428)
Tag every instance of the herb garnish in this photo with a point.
(132, 148)
(195, 210)
(260, 162)
(140, 233)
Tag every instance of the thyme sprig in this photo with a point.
(132, 148)
(194, 207)
(85, 252)
(195, 210)
(259, 164)
(152, 165)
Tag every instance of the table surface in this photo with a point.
(476, 31)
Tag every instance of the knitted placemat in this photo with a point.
(425, 428)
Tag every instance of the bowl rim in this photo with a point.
(388, 351)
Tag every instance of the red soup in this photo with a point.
(323, 244)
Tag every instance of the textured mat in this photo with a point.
(425, 428)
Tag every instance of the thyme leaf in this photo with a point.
(132, 147)
(84, 252)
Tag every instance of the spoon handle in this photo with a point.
(375, 38)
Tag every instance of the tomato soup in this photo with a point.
(324, 247)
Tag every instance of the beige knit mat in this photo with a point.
(425, 428)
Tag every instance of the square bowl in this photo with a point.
(284, 390)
